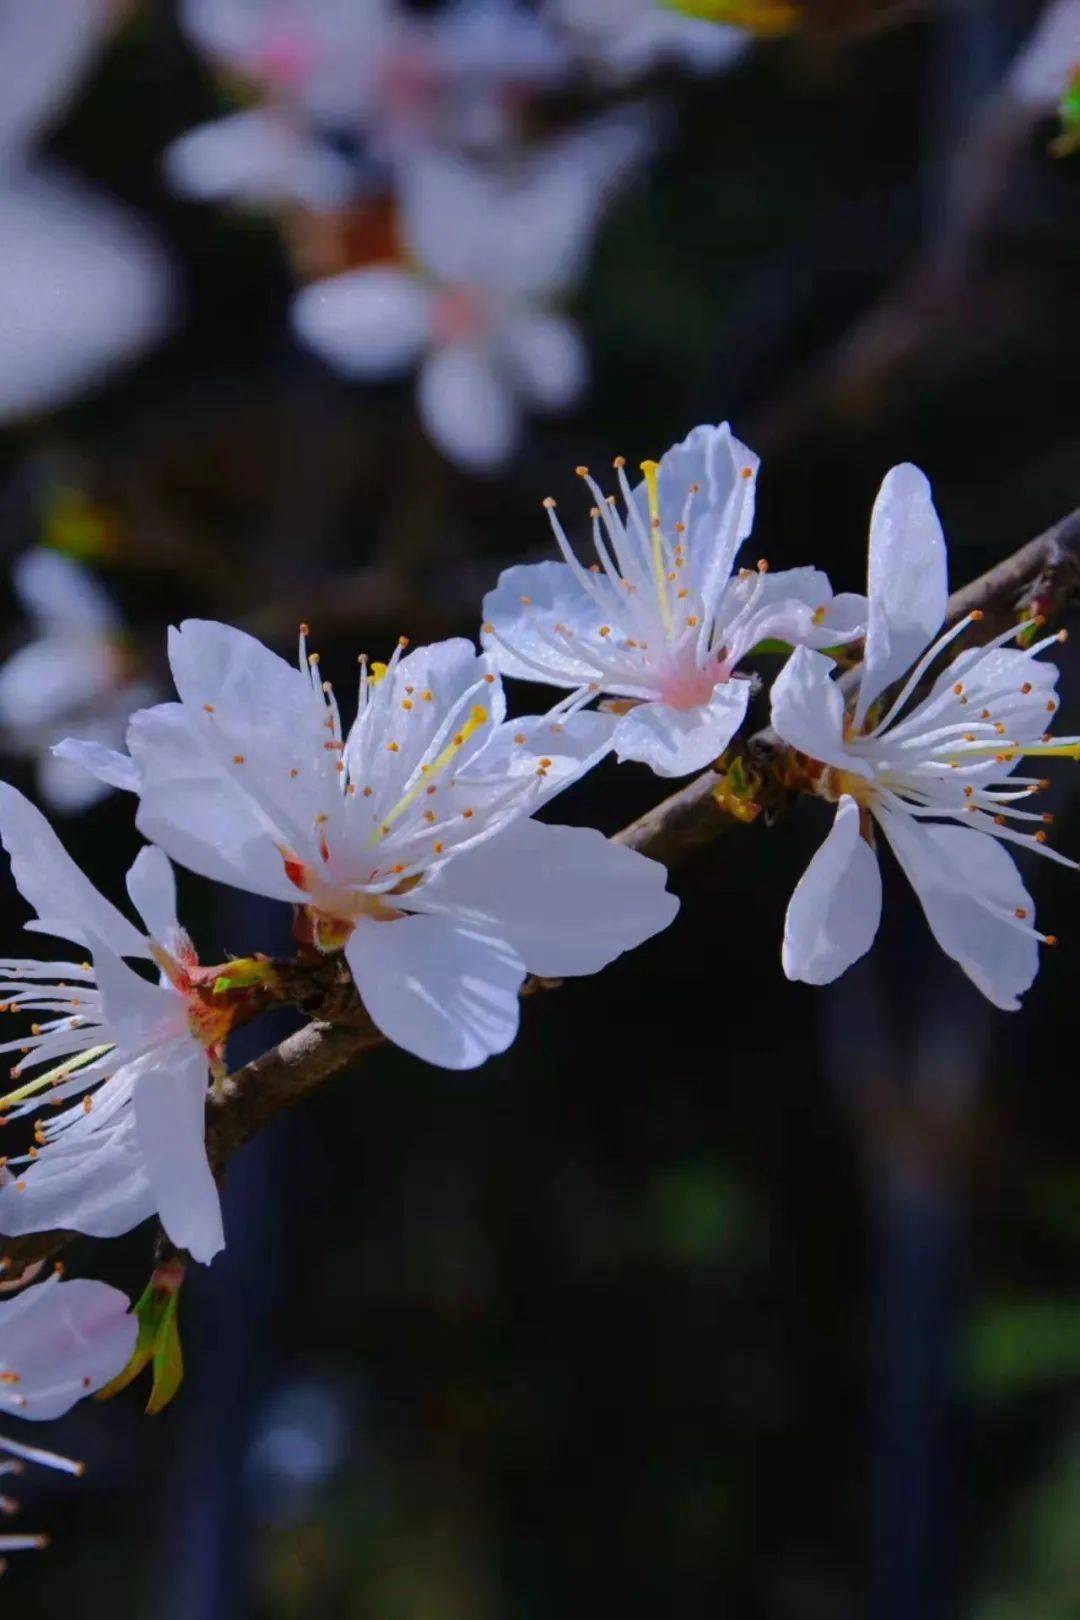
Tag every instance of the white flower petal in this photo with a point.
(63, 1340)
(236, 674)
(199, 815)
(66, 902)
(566, 899)
(258, 157)
(45, 48)
(151, 886)
(720, 513)
(525, 607)
(527, 231)
(372, 322)
(808, 710)
(674, 742)
(60, 595)
(467, 406)
(82, 287)
(66, 788)
(107, 765)
(908, 582)
(438, 989)
(834, 912)
(969, 888)
(50, 678)
(136, 1013)
(547, 358)
(1039, 74)
(797, 605)
(102, 1191)
(169, 1100)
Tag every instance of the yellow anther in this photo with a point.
(378, 673)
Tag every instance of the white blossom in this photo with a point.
(129, 1058)
(59, 1341)
(407, 839)
(347, 89)
(622, 39)
(74, 678)
(491, 250)
(936, 775)
(659, 623)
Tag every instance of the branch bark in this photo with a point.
(1042, 577)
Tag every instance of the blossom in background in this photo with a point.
(59, 1341)
(408, 840)
(129, 1057)
(658, 623)
(76, 677)
(619, 40)
(491, 249)
(346, 89)
(1042, 69)
(83, 287)
(935, 775)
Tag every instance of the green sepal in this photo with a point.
(243, 973)
(775, 648)
(157, 1345)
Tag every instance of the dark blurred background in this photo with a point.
(716, 1295)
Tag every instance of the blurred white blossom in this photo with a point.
(622, 39)
(492, 249)
(76, 677)
(83, 286)
(347, 87)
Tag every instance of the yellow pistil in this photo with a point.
(651, 469)
(477, 718)
(1011, 751)
(53, 1077)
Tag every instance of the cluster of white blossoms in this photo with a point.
(409, 845)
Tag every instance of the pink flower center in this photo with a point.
(460, 315)
(688, 686)
(409, 85)
(287, 56)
